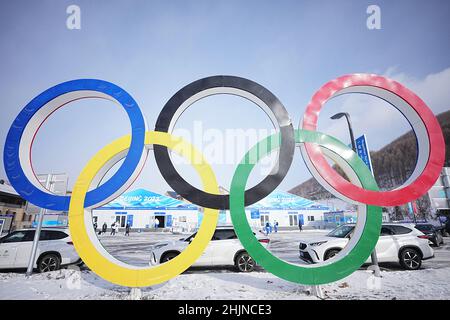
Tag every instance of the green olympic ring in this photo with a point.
(331, 270)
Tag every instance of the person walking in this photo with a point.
(95, 227)
(275, 226)
(267, 228)
(156, 223)
(127, 229)
(300, 226)
(104, 228)
(113, 229)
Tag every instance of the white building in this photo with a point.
(285, 208)
(288, 210)
(142, 209)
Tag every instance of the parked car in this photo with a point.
(224, 249)
(55, 249)
(400, 243)
(432, 232)
(447, 226)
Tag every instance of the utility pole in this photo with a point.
(37, 233)
(339, 115)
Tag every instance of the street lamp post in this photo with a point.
(37, 233)
(339, 115)
(349, 123)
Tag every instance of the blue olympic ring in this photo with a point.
(106, 90)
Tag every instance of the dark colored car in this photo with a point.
(433, 234)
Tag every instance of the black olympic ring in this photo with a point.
(242, 87)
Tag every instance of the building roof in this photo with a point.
(6, 188)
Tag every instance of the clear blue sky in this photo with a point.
(153, 48)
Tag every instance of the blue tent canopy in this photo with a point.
(141, 199)
(280, 200)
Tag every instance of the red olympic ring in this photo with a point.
(387, 89)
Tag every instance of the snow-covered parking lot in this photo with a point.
(74, 284)
(431, 282)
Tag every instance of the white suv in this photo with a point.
(397, 243)
(55, 249)
(224, 249)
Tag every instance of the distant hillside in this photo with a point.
(392, 164)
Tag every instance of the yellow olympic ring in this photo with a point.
(89, 247)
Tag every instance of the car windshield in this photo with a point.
(190, 238)
(341, 232)
(424, 227)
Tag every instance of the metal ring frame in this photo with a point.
(361, 189)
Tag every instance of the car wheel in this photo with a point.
(331, 253)
(49, 262)
(410, 259)
(168, 256)
(245, 263)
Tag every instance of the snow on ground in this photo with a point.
(431, 282)
(74, 284)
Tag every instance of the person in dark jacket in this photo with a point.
(300, 226)
(114, 228)
(267, 228)
(127, 229)
(104, 227)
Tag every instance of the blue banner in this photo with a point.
(362, 149)
(169, 221)
(130, 220)
(49, 223)
(254, 214)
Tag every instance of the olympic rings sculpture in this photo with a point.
(361, 189)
